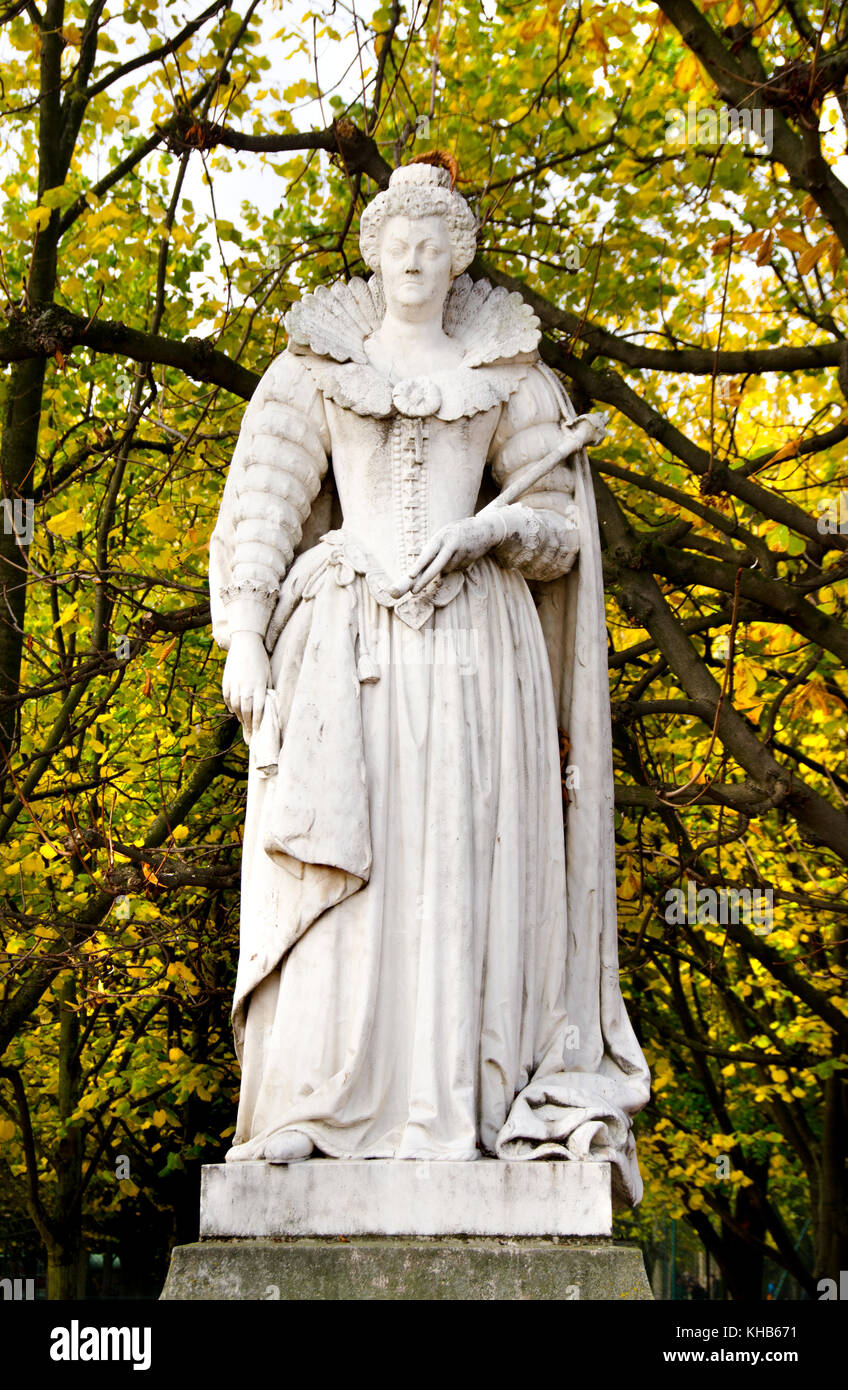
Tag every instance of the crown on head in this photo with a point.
(421, 173)
(422, 188)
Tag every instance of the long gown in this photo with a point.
(406, 951)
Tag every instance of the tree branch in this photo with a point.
(44, 329)
(359, 152)
(641, 596)
(156, 54)
(800, 156)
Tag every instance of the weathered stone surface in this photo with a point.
(326, 1197)
(407, 1269)
(427, 965)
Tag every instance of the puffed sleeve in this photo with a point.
(542, 540)
(276, 471)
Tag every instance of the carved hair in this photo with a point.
(422, 188)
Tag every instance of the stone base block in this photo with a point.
(407, 1269)
(384, 1197)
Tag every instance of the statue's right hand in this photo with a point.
(247, 675)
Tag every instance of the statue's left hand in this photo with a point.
(454, 547)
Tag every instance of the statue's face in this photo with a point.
(415, 263)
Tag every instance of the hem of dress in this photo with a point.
(253, 1150)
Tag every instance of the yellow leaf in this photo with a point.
(794, 240)
(686, 73)
(764, 255)
(159, 524)
(7, 1129)
(811, 257)
(598, 41)
(527, 31)
(297, 90)
(811, 696)
(751, 240)
(60, 196)
(66, 523)
(630, 885)
(160, 1119)
(68, 613)
(39, 217)
(788, 451)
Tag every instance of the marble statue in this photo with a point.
(405, 572)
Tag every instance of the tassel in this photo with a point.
(367, 668)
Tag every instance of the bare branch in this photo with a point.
(155, 55)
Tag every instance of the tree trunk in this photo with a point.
(741, 1263)
(832, 1216)
(65, 1270)
(17, 463)
(65, 1265)
(19, 452)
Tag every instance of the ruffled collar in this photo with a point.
(497, 331)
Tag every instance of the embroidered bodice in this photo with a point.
(408, 454)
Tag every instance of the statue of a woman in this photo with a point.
(428, 964)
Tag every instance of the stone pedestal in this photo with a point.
(334, 1229)
(404, 1268)
(381, 1197)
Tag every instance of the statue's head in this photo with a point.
(419, 234)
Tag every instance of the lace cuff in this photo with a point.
(249, 605)
(541, 544)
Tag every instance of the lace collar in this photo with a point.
(497, 330)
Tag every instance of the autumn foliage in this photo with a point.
(694, 290)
